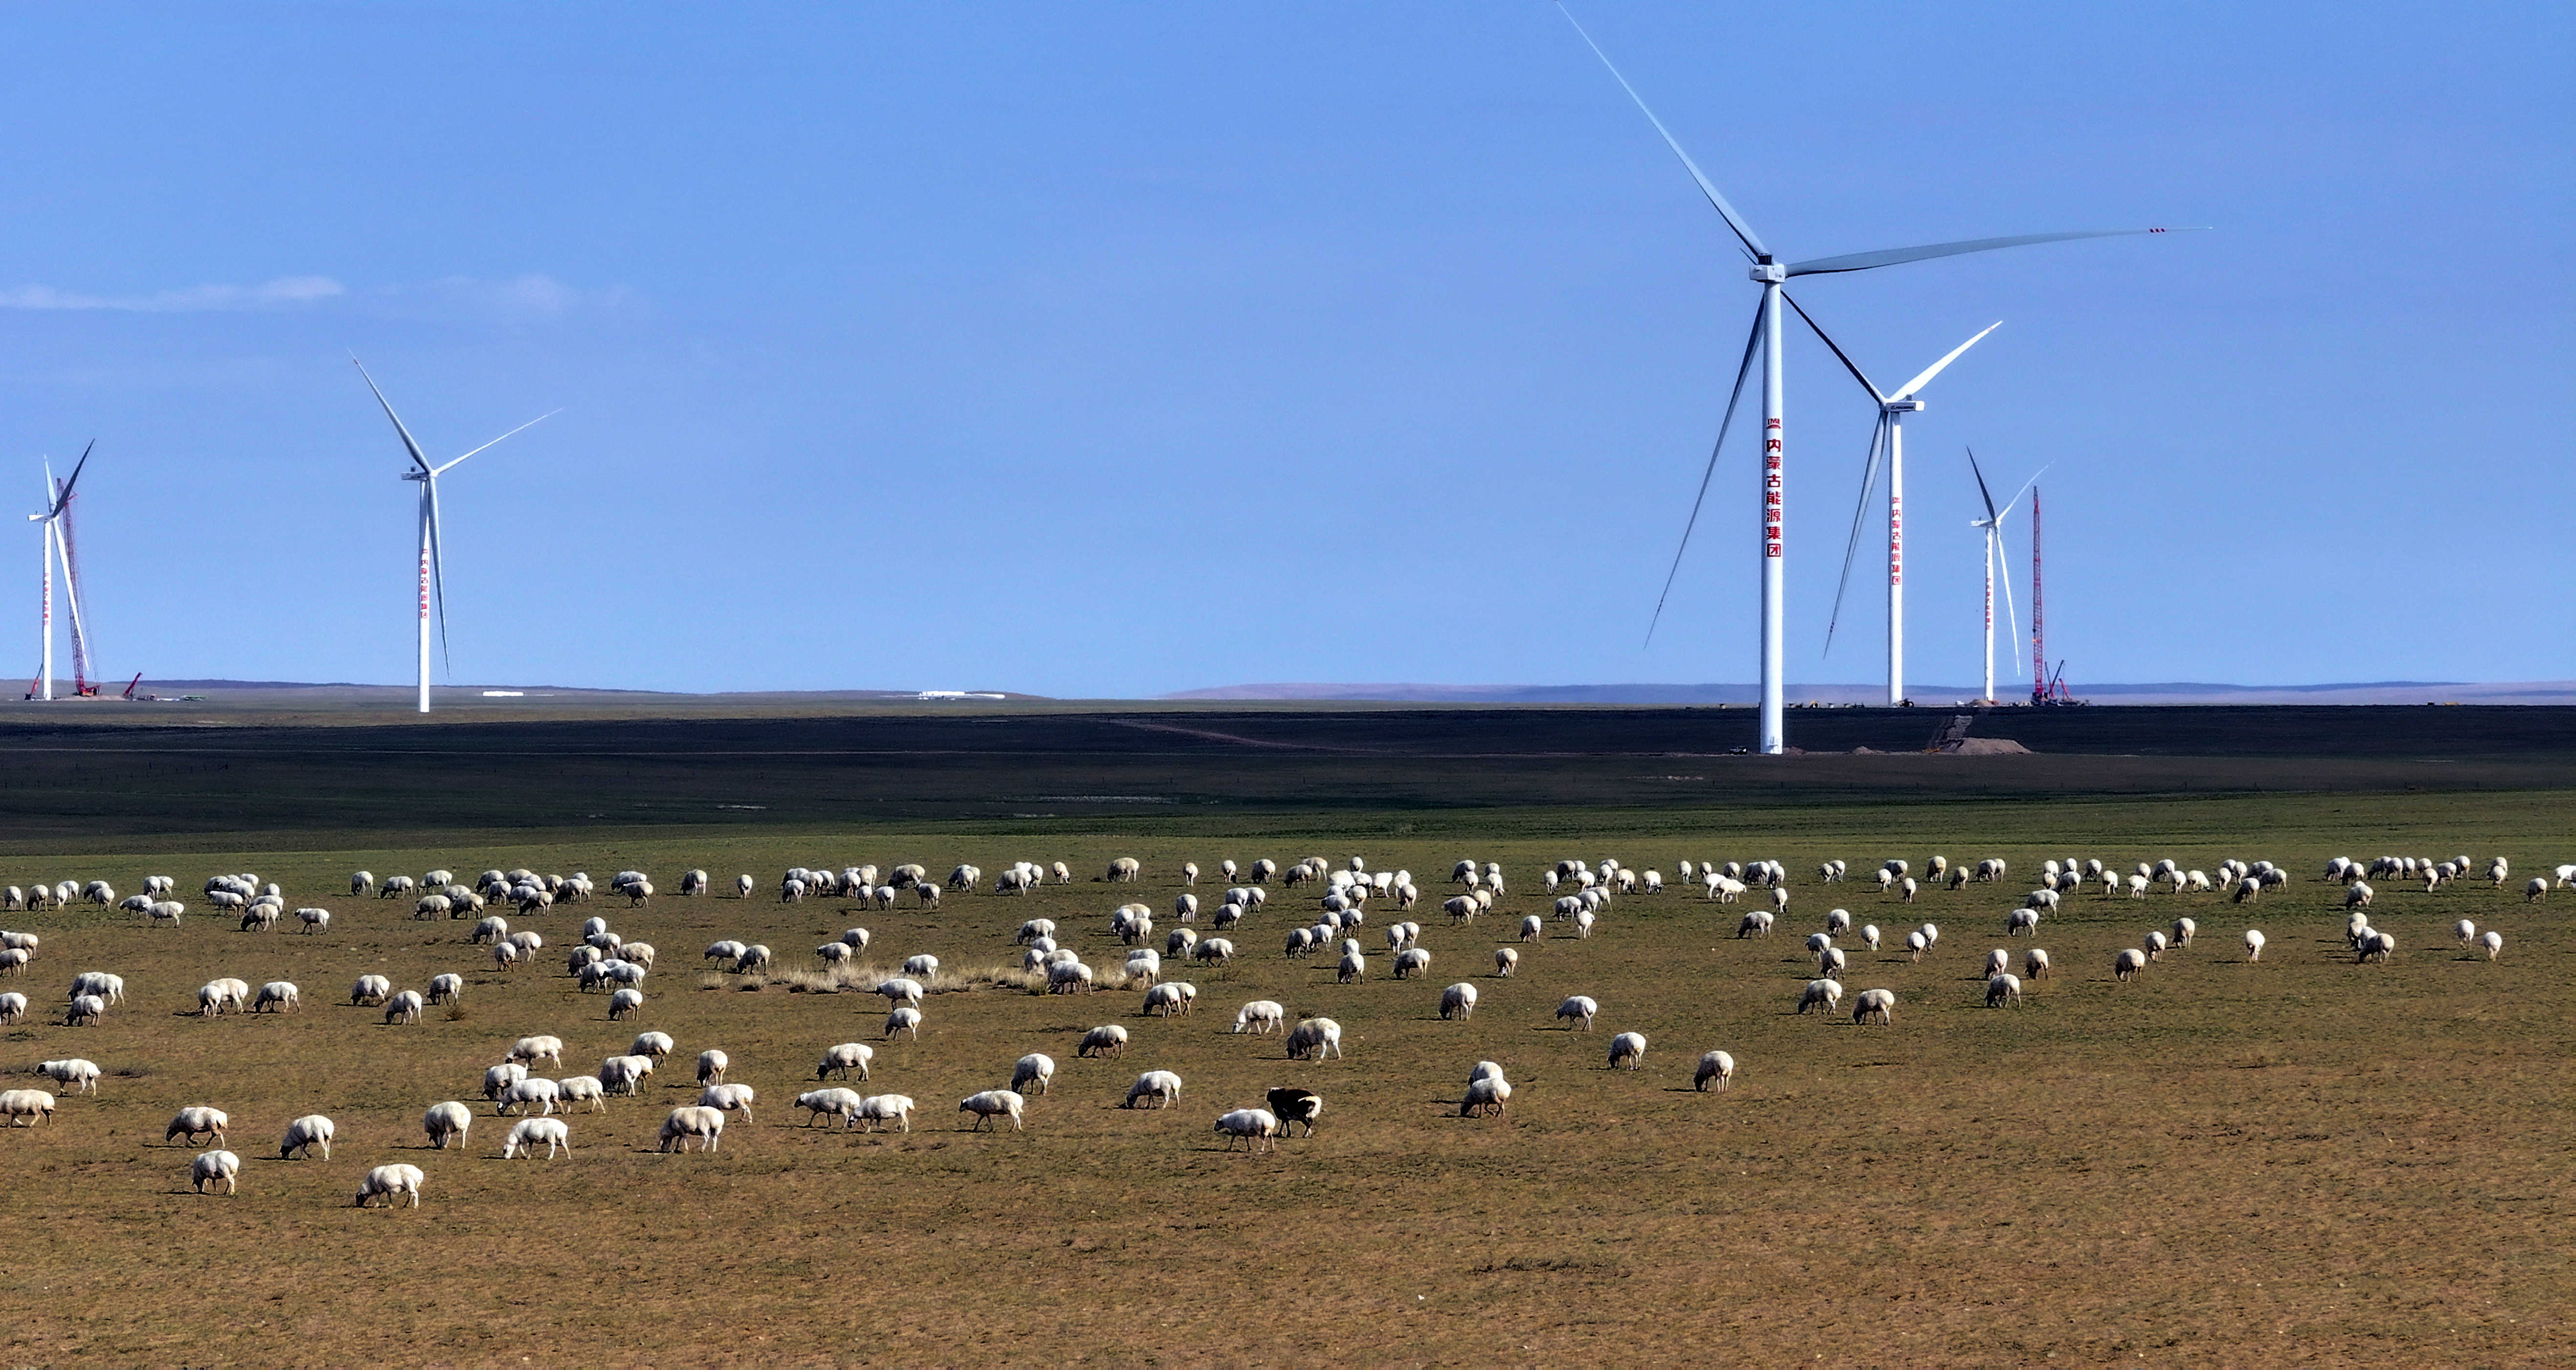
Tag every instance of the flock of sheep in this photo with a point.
(1577, 896)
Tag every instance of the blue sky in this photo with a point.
(1111, 350)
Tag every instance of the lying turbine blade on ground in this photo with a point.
(1742, 370)
(1864, 261)
(1743, 232)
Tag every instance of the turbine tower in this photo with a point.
(1993, 523)
(433, 577)
(58, 503)
(1889, 436)
(1771, 273)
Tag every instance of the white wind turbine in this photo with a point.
(58, 501)
(1890, 436)
(1772, 274)
(1993, 523)
(433, 578)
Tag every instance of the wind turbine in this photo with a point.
(433, 577)
(1993, 523)
(1890, 436)
(58, 503)
(1772, 274)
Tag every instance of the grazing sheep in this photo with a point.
(2358, 895)
(883, 1108)
(76, 1075)
(1826, 994)
(535, 1091)
(198, 1119)
(711, 1067)
(1108, 1039)
(2003, 989)
(278, 994)
(29, 1107)
(2253, 945)
(2128, 963)
(1875, 1004)
(840, 1103)
(553, 1132)
(404, 1007)
(446, 988)
(1579, 1008)
(306, 1133)
(392, 1182)
(1036, 1069)
(209, 1167)
(1996, 960)
(993, 1103)
(1159, 1088)
(1411, 963)
(2377, 949)
(85, 1010)
(1755, 924)
(900, 991)
(1293, 1106)
(692, 1122)
(903, 1018)
(2034, 963)
(1259, 1016)
(622, 1074)
(733, 1098)
(1627, 1048)
(1869, 936)
(843, 1059)
(447, 1122)
(2493, 942)
(1458, 1002)
(623, 1003)
(1716, 1065)
(1487, 1095)
(1313, 1038)
(1254, 1127)
(371, 990)
(2154, 945)
(2183, 931)
(1504, 960)
(13, 1007)
(2021, 921)
(750, 959)
(1353, 966)
(2535, 892)
(498, 1079)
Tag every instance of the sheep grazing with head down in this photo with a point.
(582, 1089)
(1505, 960)
(1260, 1016)
(1487, 1095)
(843, 1059)
(1826, 994)
(447, 1122)
(2253, 945)
(1458, 1002)
(1716, 1065)
(75, 1075)
(1109, 1039)
(836, 1101)
(1578, 1011)
(391, 1182)
(989, 1104)
(1294, 1106)
(1256, 1128)
(535, 1092)
(692, 1122)
(2003, 990)
(1035, 1069)
(1313, 1039)
(1157, 1088)
(1628, 1049)
(28, 1107)
(2493, 942)
(2128, 963)
(552, 1133)
(198, 1121)
(730, 1098)
(1875, 1005)
(214, 1167)
(306, 1134)
(886, 1108)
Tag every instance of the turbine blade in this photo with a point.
(541, 418)
(1935, 368)
(65, 497)
(1744, 233)
(2003, 569)
(1860, 515)
(1863, 261)
(408, 445)
(1982, 492)
(438, 572)
(1848, 364)
(2024, 490)
(1742, 370)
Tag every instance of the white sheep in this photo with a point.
(2003, 989)
(882, 1108)
(553, 1133)
(1412, 962)
(2535, 892)
(196, 1120)
(582, 1089)
(1458, 1002)
(2493, 942)
(1579, 1009)
(903, 1019)
(392, 1182)
(85, 1010)
(404, 1007)
(1257, 1128)
(1037, 1069)
(624, 1002)
(211, 1167)
(13, 1007)
(989, 1104)
(1716, 1065)
(371, 989)
(1826, 994)
(2378, 948)
(1628, 1048)
(532, 1091)
(1166, 1000)
(2253, 944)
(1869, 936)
(750, 959)
(29, 1107)
(75, 1075)
(1486, 1095)
(1505, 960)
(711, 1067)
(2183, 931)
(1313, 1038)
(836, 1101)
(843, 1059)
(2128, 963)
(306, 1133)
(1109, 1039)
(2021, 921)
(1159, 1088)
(447, 1122)
(900, 991)
(692, 1122)
(1875, 1004)
(729, 1098)
(1996, 960)
(1260, 1016)
(2154, 946)
(2034, 963)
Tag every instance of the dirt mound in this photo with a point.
(1985, 746)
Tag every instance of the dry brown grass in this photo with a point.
(2303, 1161)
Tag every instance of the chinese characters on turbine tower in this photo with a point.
(1771, 489)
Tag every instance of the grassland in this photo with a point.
(2302, 1161)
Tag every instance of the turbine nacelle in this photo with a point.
(1903, 406)
(1769, 273)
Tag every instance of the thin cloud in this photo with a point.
(529, 296)
(283, 293)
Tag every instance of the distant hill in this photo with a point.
(2170, 692)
